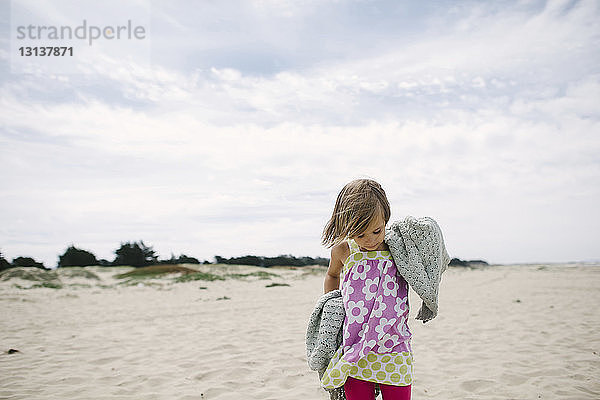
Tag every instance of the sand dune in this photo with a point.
(504, 332)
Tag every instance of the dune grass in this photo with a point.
(49, 285)
(188, 274)
(199, 276)
(275, 284)
(135, 276)
(258, 274)
(80, 285)
(77, 272)
(30, 274)
(155, 270)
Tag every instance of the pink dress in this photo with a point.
(376, 345)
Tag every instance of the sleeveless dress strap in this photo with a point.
(353, 246)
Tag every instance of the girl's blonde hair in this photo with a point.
(357, 204)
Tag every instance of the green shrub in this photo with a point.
(4, 264)
(76, 257)
(135, 254)
(27, 262)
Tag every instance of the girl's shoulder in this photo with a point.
(341, 251)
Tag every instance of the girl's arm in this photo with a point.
(339, 253)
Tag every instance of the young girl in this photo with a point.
(376, 343)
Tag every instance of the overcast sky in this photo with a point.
(238, 132)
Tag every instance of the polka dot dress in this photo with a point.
(376, 345)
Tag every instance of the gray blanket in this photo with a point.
(324, 332)
(418, 249)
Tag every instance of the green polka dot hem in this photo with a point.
(394, 369)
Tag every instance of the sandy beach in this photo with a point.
(503, 332)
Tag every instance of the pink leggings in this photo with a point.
(356, 389)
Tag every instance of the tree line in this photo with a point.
(272, 261)
(137, 254)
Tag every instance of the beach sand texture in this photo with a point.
(503, 332)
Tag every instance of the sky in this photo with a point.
(230, 129)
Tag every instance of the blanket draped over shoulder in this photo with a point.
(417, 247)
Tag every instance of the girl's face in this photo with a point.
(372, 238)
